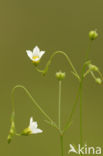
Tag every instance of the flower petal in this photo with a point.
(37, 130)
(36, 51)
(33, 127)
(29, 53)
(41, 53)
(31, 122)
(34, 124)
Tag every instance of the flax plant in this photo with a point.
(87, 68)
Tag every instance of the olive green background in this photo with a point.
(52, 25)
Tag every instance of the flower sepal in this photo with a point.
(36, 63)
(26, 132)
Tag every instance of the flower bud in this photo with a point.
(11, 132)
(93, 35)
(60, 75)
(9, 139)
(98, 80)
(12, 128)
(93, 67)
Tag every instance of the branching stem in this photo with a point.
(50, 61)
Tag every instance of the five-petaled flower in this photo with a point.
(35, 55)
(32, 129)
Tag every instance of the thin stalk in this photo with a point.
(79, 94)
(59, 106)
(59, 118)
(81, 131)
(62, 148)
(88, 50)
(73, 111)
(33, 100)
(81, 90)
(100, 75)
(44, 71)
(86, 73)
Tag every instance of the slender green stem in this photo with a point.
(62, 148)
(93, 75)
(73, 111)
(100, 74)
(50, 61)
(81, 89)
(79, 94)
(81, 131)
(59, 106)
(88, 50)
(59, 118)
(33, 100)
(86, 73)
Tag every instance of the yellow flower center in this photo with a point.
(35, 57)
(35, 60)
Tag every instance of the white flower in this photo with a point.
(33, 126)
(35, 55)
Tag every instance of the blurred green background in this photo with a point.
(52, 25)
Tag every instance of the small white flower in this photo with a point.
(35, 55)
(33, 126)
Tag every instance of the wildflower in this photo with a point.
(35, 55)
(32, 129)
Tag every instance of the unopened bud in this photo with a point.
(11, 133)
(93, 67)
(93, 35)
(12, 129)
(60, 75)
(98, 80)
(9, 139)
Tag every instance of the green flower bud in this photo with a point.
(12, 132)
(93, 35)
(93, 67)
(9, 138)
(60, 76)
(12, 128)
(98, 80)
